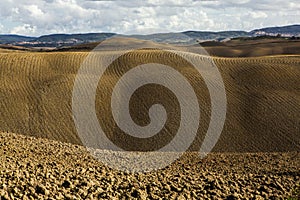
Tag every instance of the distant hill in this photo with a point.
(58, 40)
(289, 31)
(170, 38)
(185, 38)
(190, 37)
(8, 39)
(72, 37)
(204, 35)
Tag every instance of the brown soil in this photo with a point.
(257, 156)
(33, 168)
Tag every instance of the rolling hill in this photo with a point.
(263, 99)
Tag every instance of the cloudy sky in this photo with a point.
(38, 17)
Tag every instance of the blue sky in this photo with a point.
(38, 17)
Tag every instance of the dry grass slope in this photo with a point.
(263, 95)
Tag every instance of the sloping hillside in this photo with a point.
(263, 99)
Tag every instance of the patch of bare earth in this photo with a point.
(32, 168)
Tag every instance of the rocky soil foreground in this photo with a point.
(33, 168)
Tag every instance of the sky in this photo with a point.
(40, 17)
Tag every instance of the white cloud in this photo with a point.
(258, 14)
(25, 29)
(1, 27)
(38, 17)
